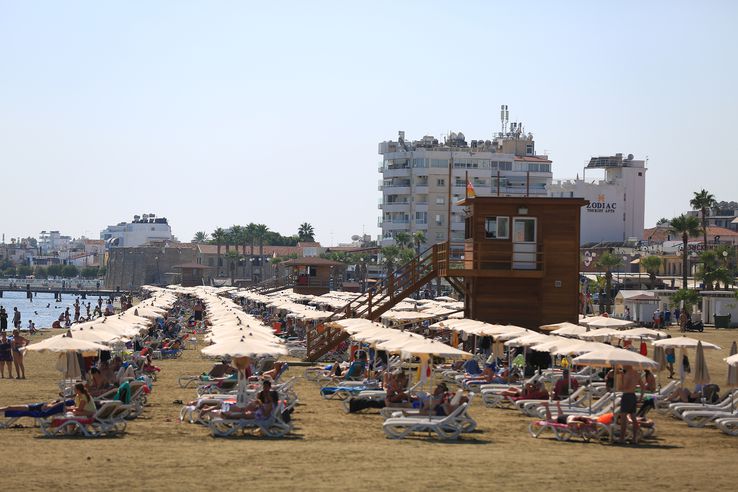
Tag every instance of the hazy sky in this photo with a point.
(214, 113)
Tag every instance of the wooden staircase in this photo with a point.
(386, 294)
(272, 285)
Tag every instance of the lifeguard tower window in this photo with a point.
(312, 271)
(497, 227)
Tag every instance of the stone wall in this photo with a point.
(130, 268)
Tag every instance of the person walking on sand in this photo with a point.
(16, 318)
(18, 343)
(3, 319)
(630, 379)
(6, 356)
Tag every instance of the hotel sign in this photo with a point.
(601, 206)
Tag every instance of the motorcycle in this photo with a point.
(698, 326)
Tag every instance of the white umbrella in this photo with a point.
(732, 361)
(701, 373)
(684, 342)
(636, 333)
(63, 343)
(607, 322)
(564, 329)
(600, 333)
(615, 357)
(245, 346)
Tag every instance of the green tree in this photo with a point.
(102, 271)
(260, 231)
(275, 261)
(689, 296)
(218, 237)
(90, 272)
(201, 237)
(70, 271)
(608, 261)
(306, 233)
(23, 270)
(703, 201)
(687, 226)
(54, 270)
(231, 258)
(40, 271)
(390, 254)
(403, 239)
(652, 265)
(419, 240)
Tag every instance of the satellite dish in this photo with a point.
(355, 237)
(630, 157)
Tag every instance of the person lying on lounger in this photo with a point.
(562, 418)
(531, 391)
(222, 369)
(396, 394)
(46, 408)
(259, 408)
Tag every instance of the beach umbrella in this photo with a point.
(684, 342)
(615, 357)
(607, 322)
(245, 346)
(68, 365)
(93, 335)
(732, 373)
(65, 343)
(564, 329)
(635, 333)
(600, 333)
(701, 374)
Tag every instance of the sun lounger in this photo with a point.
(35, 412)
(444, 427)
(107, 421)
(563, 432)
(275, 425)
(728, 425)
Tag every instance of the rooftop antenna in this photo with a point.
(504, 117)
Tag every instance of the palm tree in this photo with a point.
(686, 225)
(703, 201)
(652, 265)
(232, 259)
(218, 236)
(608, 261)
(251, 237)
(402, 239)
(235, 235)
(306, 233)
(389, 258)
(260, 232)
(200, 237)
(275, 261)
(418, 239)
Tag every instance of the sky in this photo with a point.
(218, 113)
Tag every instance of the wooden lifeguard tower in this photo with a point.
(191, 273)
(314, 275)
(520, 262)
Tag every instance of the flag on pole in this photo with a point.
(470, 193)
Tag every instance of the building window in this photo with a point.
(525, 230)
(440, 182)
(497, 227)
(439, 219)
(505, 166)
(440, 201)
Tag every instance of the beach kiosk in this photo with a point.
(314, 275)
(520, 260)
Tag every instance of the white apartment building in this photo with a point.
(53, 241)
(415, 179)
(141, 230)
(617, 203)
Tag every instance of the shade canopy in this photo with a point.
(245, 346)
(635, 333)
(684, 342)
(615, 357)
(564, 329)
(63, 343)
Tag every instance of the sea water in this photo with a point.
(43, 309)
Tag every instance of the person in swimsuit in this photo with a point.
(630, 379)
(6, 356)
(84, 405)
(17, 345)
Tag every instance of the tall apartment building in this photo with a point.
(617, 203)
(141, 230)
(415, 178)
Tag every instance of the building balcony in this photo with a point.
(395, 189)
(421, 189)
(401, 172)
(420, 206)
(389, 225)
(396, 206)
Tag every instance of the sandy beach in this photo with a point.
(332, 450)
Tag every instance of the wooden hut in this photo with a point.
(314, 275)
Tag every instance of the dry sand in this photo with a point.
(331, 450)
